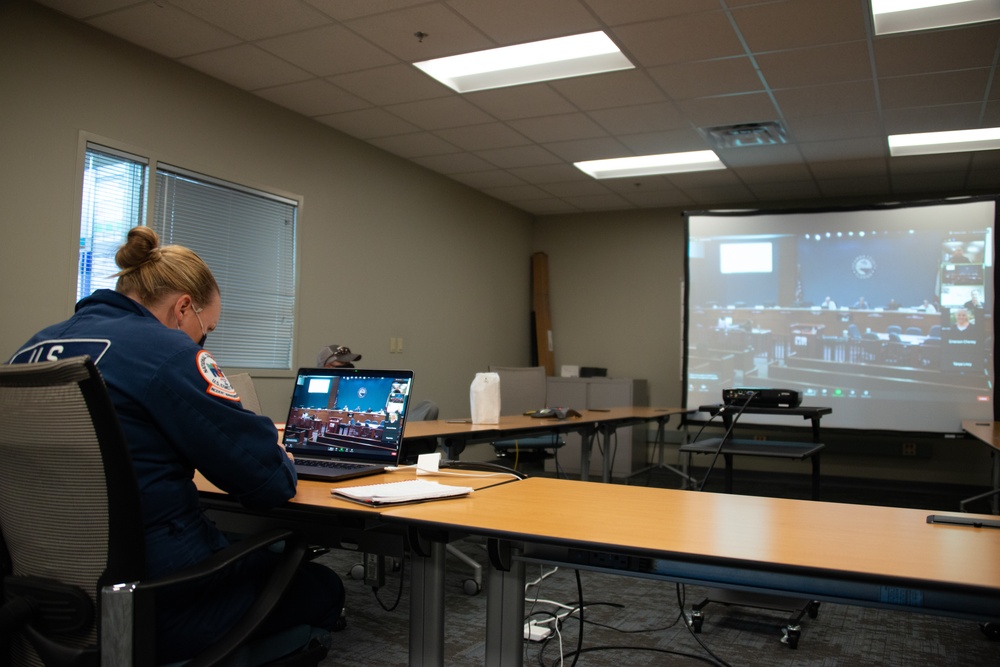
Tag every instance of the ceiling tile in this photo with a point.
(934, 89)
(847, 169)
(707, 78)
(794, 24)
(588, 149)
(518, 156)
(454, 163)
(835, 126)
(84, 8)
(815, 66)
(252, 19)
(582, 188)
(491, 178)
(835, 98)
(564, 127)
(612, 89)
(728, 110)
(616, 12)
(932, 119)
(519, 21)
(480, 137)
(345, 10)
(521, 101)
(608, 202)
(368, 123)
(314, 97)
(331, 49)
(929, 51)
(549, 173)
(679, 39)
(786, 173)
(246, 67)
(446, 32)
(776, 191)
(848, 149)
(394, 84)
(165, 30)
(639, 119)
(670, 141)
(419, 144)
(855, 187)
(440, 113)
(699, 63)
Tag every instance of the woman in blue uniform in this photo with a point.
(179, 412)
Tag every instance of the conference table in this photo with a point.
(893, 558)
(987, 432)
(456, 434)
(331, 521)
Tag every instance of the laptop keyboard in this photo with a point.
(339, 465)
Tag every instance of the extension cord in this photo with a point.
(536, 633)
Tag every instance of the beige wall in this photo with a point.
(453, 270)
(439, 265)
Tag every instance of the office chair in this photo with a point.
(414, 447)
(72, 550)
(523, 389)
(243, 384)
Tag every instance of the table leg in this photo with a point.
(728, 458)
(586, 447)
(427, 607)
(815, 476)
(996, 481)
(505, 614)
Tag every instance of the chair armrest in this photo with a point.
(271, 591)
(222, 559)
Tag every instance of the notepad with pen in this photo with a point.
(393, 493)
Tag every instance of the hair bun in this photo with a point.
(141, 246)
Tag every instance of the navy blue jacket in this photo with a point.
(178, 412)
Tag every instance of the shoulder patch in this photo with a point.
(218, 383)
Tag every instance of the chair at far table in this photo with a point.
(72, 555)
(523, 389)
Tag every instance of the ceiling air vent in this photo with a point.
(746, 134)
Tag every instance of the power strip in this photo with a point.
(536, 633)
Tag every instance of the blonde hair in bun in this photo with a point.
(149, 272)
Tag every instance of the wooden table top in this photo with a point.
(795, 535)
(987, 431)
(316, 494)
(456, 427)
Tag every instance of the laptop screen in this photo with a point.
(348, 413)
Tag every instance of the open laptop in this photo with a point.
(346, 422)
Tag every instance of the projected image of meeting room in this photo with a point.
(346, 414)
(885, 310)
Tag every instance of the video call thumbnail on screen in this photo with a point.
(883, 313)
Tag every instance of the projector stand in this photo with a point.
(688, 482)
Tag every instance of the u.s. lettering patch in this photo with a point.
(218, 383)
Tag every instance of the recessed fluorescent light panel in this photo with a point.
(549, 59)
(905, 15)
(957, 141)
(649, 165)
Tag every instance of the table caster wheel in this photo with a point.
(791, 634)
(991, 629)
(471, 587)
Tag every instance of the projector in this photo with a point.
(761, 397)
